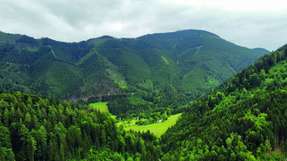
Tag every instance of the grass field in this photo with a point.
(100, 106)
(158, 129)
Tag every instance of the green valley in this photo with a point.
(153, 102)
(99, 106)
(143, 80)
(157, 129)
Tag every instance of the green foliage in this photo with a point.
(6, 153)
(34, 128)
(244, 119)
(157, 129)
(161, 69)
(108, 155)
(99, 106)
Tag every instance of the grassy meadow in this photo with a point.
(100, 106)
(158, 129)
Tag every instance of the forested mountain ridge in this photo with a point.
(244, 119)
(163, 66)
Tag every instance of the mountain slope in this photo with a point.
(190, 62)
(244, 119)
(35, 128)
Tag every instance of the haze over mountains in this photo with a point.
(189, 62)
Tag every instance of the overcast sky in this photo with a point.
(251, 23)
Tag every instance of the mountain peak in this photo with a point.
(196, 31)
(182, 33)
(261, 50)
(106, 37)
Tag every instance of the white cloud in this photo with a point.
(252, 23)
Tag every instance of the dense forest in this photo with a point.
(158, 70)
(244, 119)
(143, 80)
(34, 128)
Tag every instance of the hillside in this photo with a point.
(244, 119)
(159, 68)
(35, 128)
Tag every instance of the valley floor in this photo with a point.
(158, 128)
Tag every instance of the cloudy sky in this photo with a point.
(251, 23)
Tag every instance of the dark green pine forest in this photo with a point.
(232, 99)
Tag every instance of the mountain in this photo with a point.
(262, 50)
(156, 68)
(243, 119)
